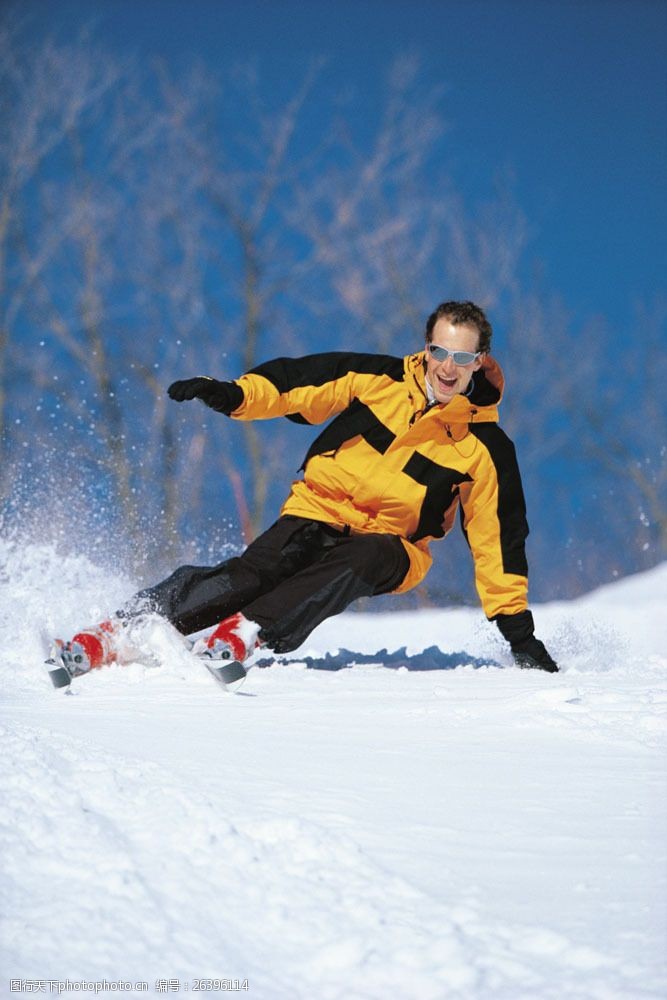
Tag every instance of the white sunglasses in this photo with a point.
(461, 358)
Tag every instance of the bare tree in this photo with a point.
(155, 226)
(80, 134)
(44, 97)
(587, 426)
(623, 438)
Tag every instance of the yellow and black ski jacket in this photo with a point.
(389, 462)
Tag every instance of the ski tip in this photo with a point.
(60, 677)
(230, 675)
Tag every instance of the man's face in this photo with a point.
(445, 378)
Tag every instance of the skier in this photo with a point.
(413, 439)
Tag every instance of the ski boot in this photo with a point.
(226, 649)
(89, 649)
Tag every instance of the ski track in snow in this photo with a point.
(470, 834)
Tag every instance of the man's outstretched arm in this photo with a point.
(309, 390)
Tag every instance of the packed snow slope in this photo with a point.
(481, 833)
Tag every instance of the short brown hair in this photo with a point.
(466, 313)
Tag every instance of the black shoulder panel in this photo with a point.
(357, 419)
(483, 393)
(511, 502)
(317, 369)
(442, 486)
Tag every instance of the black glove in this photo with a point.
(519, 630)
(225, 397)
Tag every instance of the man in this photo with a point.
(412, 440)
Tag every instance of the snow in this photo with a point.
(474, 834)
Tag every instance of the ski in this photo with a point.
(230, 674)
(60, 676)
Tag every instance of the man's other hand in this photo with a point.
(528, 652)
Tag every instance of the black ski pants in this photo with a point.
(288, 580)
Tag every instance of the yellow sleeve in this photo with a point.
(495, 525)
(310, 389)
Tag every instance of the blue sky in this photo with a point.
(569, 98)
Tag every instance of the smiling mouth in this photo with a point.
(447, 383)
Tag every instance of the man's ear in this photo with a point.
(480, 361)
